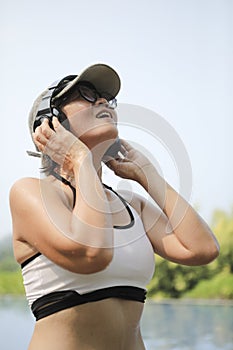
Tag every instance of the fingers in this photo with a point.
(125, 145)
(42, 134)
(112, 164)
(126, 149)
(56, 123)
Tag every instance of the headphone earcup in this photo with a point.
(59, 114)
(39, 120)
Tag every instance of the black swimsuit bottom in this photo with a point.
(57, 301)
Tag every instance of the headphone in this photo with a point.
(49, 109)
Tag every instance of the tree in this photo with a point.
(213, 280)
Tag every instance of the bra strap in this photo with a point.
(66, 182)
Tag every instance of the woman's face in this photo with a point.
(92, 123)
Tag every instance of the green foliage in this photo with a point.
(11, 282)
(7, 260)
(174, 280)
(223, 229)
(10, 274)
(9, 264)
(214, 280)
(219, 287)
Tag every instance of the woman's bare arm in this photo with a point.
(175, 229)
(79, 239)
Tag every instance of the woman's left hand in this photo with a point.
(132, 165)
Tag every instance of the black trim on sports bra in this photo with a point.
(127, 208)
(29, 260)
(57, 301)
(66, 182)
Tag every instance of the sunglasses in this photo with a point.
(84, 90)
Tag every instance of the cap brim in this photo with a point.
(104, 78)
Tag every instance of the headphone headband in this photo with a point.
(45, 109)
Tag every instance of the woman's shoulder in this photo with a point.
(25, 181)
(134, 199)
(27, 188)
(23, 186)
(28, 183)
(20, 193)
(142, 204)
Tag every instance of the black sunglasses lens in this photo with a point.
(88, 93)
(84, 89)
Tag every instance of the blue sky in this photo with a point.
(174, 58)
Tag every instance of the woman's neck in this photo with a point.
(71, 178)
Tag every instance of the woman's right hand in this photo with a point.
(60, 145)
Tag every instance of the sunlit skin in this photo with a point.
(178, 235)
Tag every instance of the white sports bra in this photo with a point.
(51, 288)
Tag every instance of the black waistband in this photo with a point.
(57, 301)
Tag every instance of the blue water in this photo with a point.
(185, 326)
(165, 326)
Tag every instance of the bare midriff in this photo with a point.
(107, 324)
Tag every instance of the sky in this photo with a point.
(174, 58)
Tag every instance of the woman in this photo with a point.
(87, 253)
